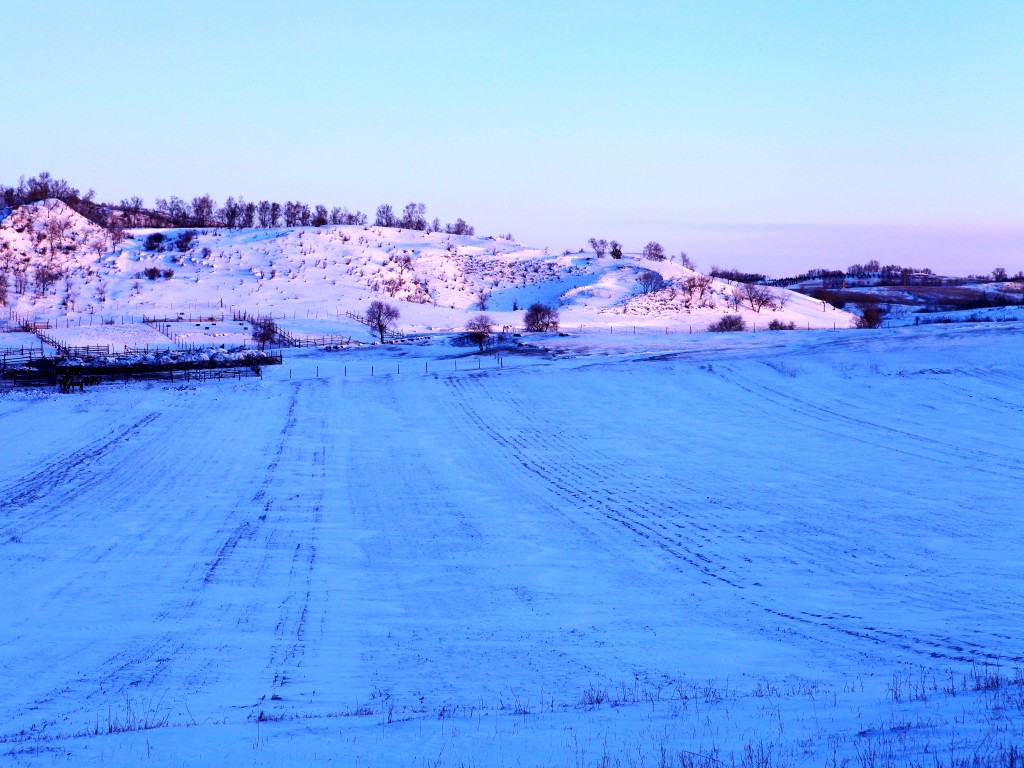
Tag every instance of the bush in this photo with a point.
(541, 318)
(728, 323)
(872, 316)
(152, 273)
(154, 242)
(184, 241)
(779, 325)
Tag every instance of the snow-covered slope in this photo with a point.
(438, 280)
(719, 549)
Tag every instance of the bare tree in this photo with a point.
(381, 317)
(541, 317)
(757, 296)
(291, 213)
(654, 251)
(482, 299)
(616, 249)
(263, 213)
(479, 330)
(117, 234)
(229, 213)
(264, 331)
(600, 247)
(131, 209)
(204, 209)
(385, 216)
(414, 216)
(247, 215)
(649, 280)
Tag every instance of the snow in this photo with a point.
(593, 549)
(321, 273)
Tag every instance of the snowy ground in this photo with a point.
(600, 549)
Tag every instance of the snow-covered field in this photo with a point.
(598, 549)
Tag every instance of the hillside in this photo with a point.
(437, 280)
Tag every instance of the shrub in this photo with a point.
(779, 325)
(728, 323)
(152, 273)
(872, 316)
(184, 241)
(154, 241)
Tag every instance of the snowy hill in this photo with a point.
(437, 280)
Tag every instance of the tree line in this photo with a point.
(203, 210)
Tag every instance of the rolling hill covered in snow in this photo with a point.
(65, 268)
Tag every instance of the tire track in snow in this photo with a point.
(564, 468)
(61, 480)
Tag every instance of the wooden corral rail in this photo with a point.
(59, 346)
(53, 371)
(89, 350)
(92, 350)
(163, 325)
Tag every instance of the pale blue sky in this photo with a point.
(555, 120)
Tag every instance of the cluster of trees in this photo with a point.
(538, 318)
(414, 216)
(654, 251)
(603, 248)
(736, 275)
(649, 281)
(203, 211)
(237, 213)
(888, 274)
